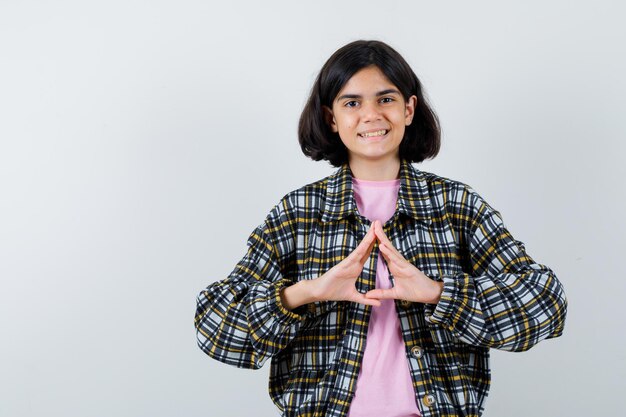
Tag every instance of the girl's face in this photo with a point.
(370, 115)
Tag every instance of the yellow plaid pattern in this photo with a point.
(495, 296)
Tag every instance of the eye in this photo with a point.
(351, 103)
(387, 99)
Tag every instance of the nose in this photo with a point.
(370, 111)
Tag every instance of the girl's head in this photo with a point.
(372, 61)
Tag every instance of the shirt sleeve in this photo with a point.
(508, 301)
(241, 320)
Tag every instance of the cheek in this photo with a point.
(346, 126)
(400, 122)
(344, 120)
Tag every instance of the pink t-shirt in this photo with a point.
(384, 386)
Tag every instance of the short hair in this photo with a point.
(422, 138)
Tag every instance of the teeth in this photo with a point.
(377, 133)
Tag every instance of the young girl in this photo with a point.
(378, 290)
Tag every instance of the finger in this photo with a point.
(365, 256)
(364, 247)
(383, 250)
(367, 301)
(391, 254)
(380, 234)
(381, 294)
(394, 250)
(370, 235)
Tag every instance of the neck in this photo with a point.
(375, 170)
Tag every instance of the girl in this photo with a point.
(378, 290)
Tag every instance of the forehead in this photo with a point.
(367, 81)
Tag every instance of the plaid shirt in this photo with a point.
(494, 296)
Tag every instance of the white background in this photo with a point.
(142, 141)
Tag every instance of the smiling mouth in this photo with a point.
(381, 132)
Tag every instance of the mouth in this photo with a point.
(373, 134)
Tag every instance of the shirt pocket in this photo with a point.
(451, 367)
(306, 392)
(318, 341)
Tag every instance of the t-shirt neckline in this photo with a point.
(376, 183)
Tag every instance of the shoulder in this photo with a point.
(303, 203)
(444, 187)
(311, 194)
(453, 195)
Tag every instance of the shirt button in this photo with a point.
(429, 400)
(405, 304)
(417, 352)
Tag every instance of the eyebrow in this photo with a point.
(380, 93)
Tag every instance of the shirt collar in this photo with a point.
(413, 197)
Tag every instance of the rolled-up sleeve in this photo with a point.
(240, 320)
(508, 301)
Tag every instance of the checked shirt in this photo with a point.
(494, 296)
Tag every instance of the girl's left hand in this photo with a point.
(410, 283)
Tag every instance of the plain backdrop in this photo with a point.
(142, 141)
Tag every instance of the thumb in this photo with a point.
(381, 293)
(361, 298)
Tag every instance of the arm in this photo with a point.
(508, 302)
(241, 320)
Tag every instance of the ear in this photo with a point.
(409, 111)
(330, 118)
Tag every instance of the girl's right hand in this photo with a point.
(338, 283)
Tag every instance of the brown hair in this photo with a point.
(422, 138)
